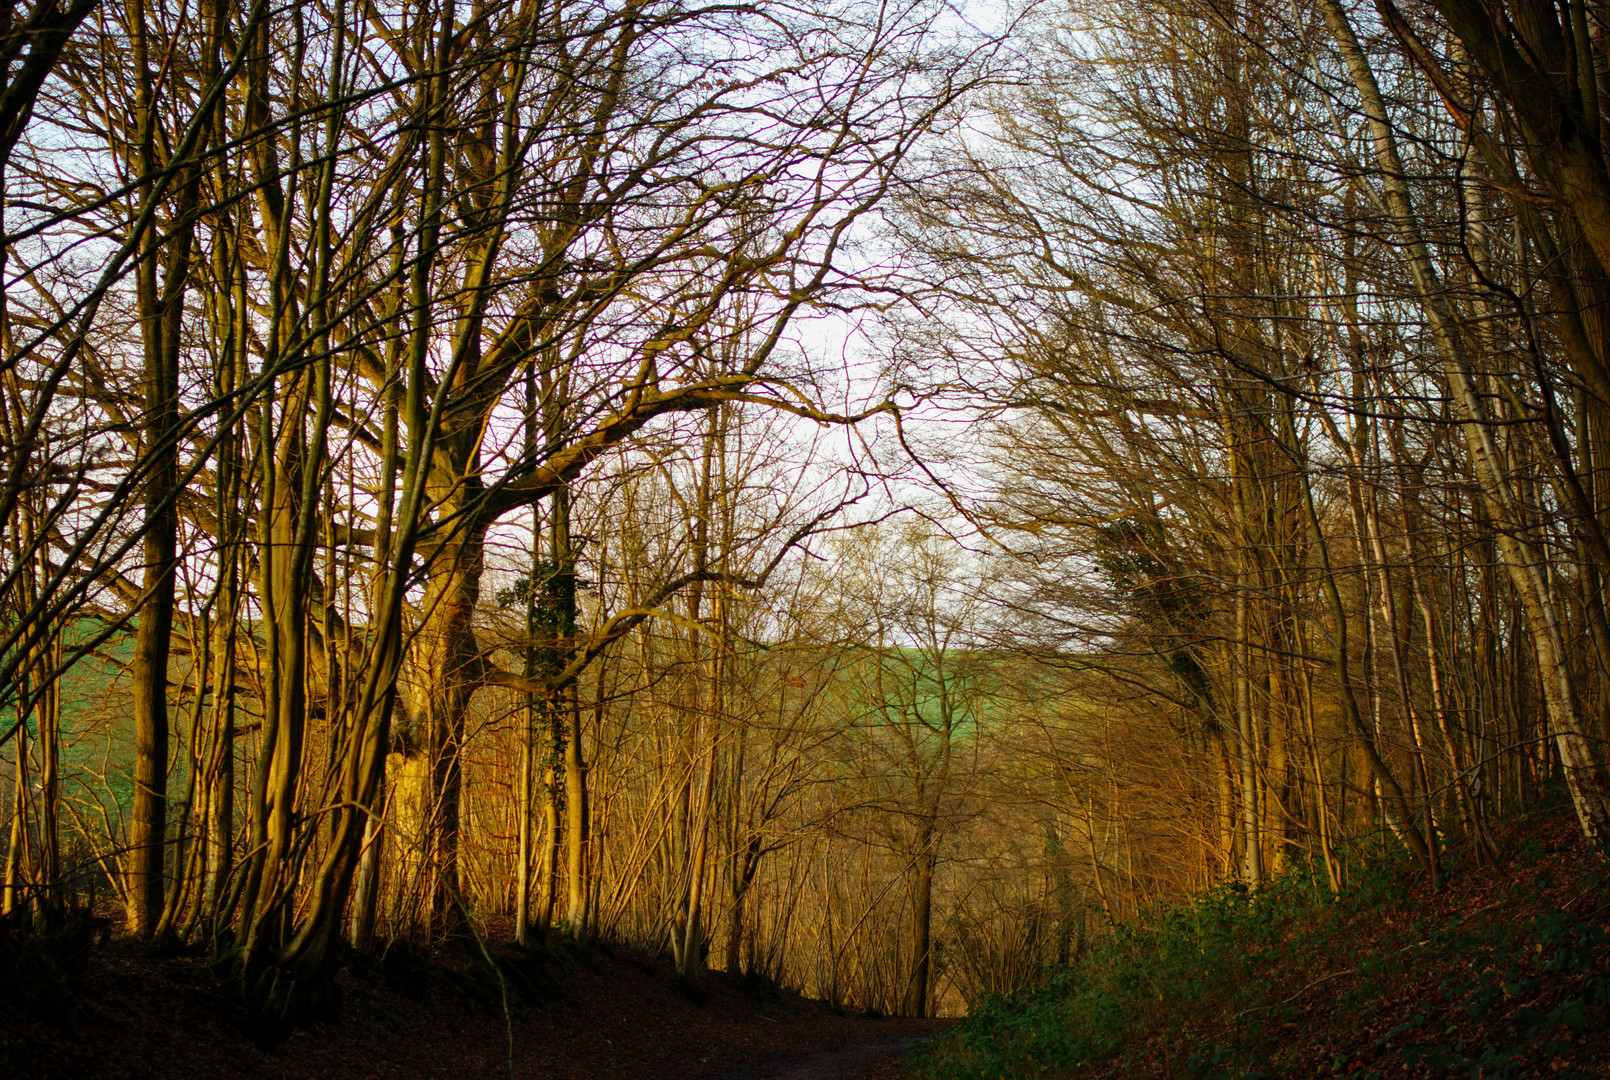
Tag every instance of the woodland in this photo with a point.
(867, 497)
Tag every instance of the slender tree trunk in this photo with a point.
(17, 848)
(915, 1002)
(1246, 741)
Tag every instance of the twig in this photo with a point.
(1298, 994)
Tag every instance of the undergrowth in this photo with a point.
(1497, 974)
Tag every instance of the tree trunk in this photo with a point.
(915, 1001)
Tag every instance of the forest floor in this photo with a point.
(1500, 971)
(571, 1016)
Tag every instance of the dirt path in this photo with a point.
(869, 1061)
(129, 1015)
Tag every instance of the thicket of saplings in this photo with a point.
(431, 514)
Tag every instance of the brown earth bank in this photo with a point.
(123, 1014)
(1495, 974)
(1499, 971)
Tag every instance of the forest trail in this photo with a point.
(871, 1061)
(592, 1017)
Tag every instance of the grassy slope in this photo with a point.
(1502, 973)
(97, 756)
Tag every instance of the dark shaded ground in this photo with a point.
(132, 1016)
(875, 1061)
